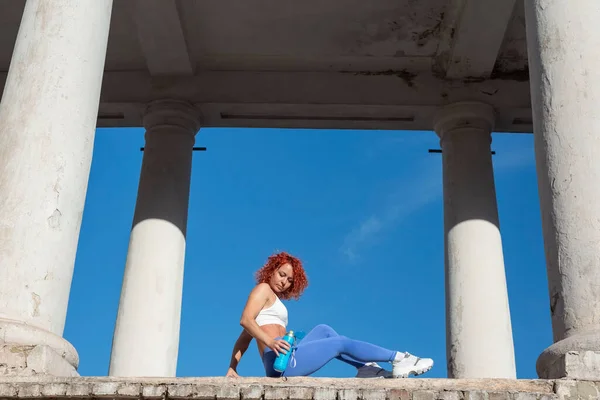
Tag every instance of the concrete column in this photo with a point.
(479, 333)
(47, 124)
(146, 337)
(563, 42)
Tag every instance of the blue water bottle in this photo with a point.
(281, 361)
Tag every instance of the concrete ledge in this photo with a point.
(295, 389)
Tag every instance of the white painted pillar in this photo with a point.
(479, 333)
(564, 59)
(47, 124)
(146, 337)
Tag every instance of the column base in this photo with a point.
(20, 360)
(576, 357)
(27, 350)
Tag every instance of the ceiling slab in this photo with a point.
(161, 37)
(473, 34)
(378, 64)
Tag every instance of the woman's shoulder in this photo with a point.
(263, 294)
(263, 289)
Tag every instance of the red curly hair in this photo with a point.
(273, 263)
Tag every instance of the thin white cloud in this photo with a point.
(411, 194)
(416, 191)
(367, 229)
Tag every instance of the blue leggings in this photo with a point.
(323, 344)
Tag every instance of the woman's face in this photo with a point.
(282, 279)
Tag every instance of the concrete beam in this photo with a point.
(161, 37)
(311, 116)
(340, 100)
(362, 88)
(361, 100)
(473, 31)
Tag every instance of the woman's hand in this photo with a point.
(231, 373)
(279, 346)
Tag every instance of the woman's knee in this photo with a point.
(344, 344)
(326, 329)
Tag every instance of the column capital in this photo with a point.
(172, 114)
(464, 115)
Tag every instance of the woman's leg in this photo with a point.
(320, 331)
(312, 355)
(323, 331)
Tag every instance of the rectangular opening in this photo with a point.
(111, 116)
(314, 118)
(522, 121)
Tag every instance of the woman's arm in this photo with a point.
(256, 301)
(240, 347)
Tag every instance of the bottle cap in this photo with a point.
(291, 333)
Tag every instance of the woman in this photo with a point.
(265, 319)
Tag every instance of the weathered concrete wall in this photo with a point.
(297, 389)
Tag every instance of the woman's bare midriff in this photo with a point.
(273, 330)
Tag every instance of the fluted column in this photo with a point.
(47, 124)
(563, 42)
(479, 333)
(146, 337)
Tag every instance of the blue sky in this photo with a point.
(363, 209)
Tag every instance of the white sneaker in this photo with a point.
(410, 365)
(372, 370)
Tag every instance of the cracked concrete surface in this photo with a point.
(297, 389)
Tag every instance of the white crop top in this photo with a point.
(276, 314)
